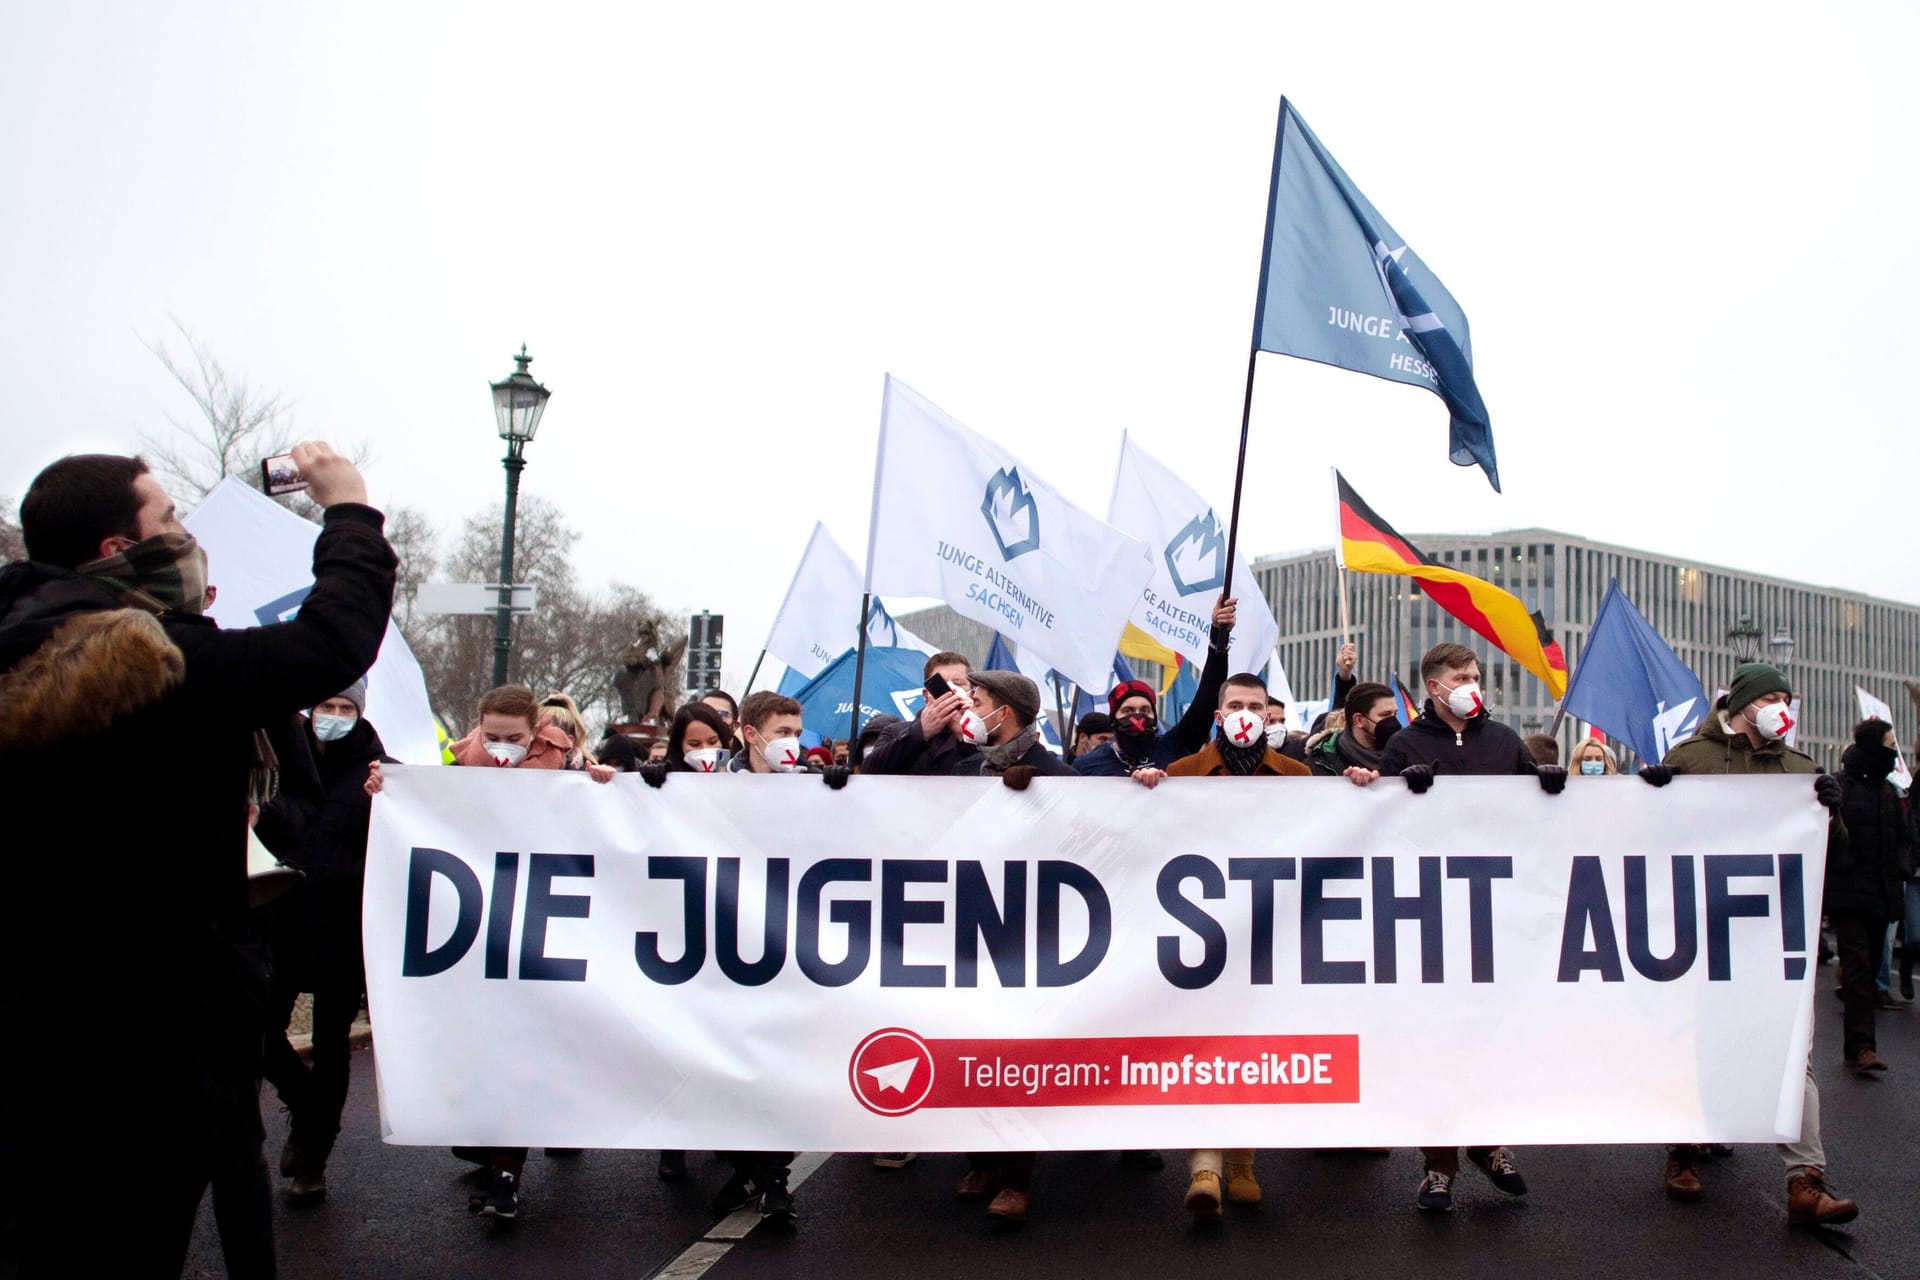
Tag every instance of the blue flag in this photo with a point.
(1631, 684)
(1338, 285)
(890, 683)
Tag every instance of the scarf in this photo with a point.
(1241, 762)
(996, 760)
(166, 573)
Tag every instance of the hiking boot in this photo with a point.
(1241, 1186)
(736, 1194)
(1683, 1184)
(1435, 1194)
(1497, 1164)
(894, 1159)
(1009, 1206)
(673, 1166)
(1865, 1062)
(1146, 1161)
(776, 1205)
(977, 1184)
(1810, 1204)
(501, 1200)
(1203, 1194)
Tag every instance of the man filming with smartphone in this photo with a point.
(933, 743)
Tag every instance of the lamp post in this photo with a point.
(1780, 648)
(518, 402)
(1744, 639)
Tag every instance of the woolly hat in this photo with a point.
(1871, 732)
(1128, 689)
(1010, 689)
(1752, 680)
(356, 693)
(1095, 722)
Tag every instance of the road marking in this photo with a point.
(695, 1260)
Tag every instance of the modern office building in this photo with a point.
(1828, 641)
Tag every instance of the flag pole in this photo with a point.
(1240, 472)
(1061, 726)
(754, 674)
(1253, 347)
(1346, 627)
(859, 669)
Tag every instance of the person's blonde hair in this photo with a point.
(559, 710)
(1606, 755)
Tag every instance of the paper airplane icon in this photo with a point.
(895, 1075)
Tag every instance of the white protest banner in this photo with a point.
(1872, 708)
(958, 518)
(260, 557)
(928, 964)
(1189, 549)
(815, 624)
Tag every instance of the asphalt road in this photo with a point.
(1594, 1211)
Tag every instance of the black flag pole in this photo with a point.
(859, 669)
(1253, 348)
(754, 674)
(1240, 472)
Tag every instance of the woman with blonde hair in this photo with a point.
(1593, 758)
(558, 710)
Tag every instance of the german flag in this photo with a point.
(1368, 544)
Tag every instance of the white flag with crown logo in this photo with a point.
(958, 518)
(1188, 544)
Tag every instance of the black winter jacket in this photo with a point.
(1871, 879)
(128, 739)
(1485, 746)
(904, 749)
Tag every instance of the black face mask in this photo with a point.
(1385, 729)
(1878, 759)
(1141, 726)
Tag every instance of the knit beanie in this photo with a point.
(356, 693)
(1752, 680)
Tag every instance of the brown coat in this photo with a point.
(548, 750)
(1206, 763)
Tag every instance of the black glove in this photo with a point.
(1656, 775)
(1553, 779)
(1419, 777)
(654, 775)
(835, 776)
(1826, 789)
(1019, 776)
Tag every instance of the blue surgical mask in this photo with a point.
(332, 728)
(1593, 768)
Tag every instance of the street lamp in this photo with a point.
(1780, 648)
(1744, 639)
(518, 402)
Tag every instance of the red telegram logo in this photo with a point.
(891, 1072)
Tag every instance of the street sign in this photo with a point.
(472, 597)
(703, 652)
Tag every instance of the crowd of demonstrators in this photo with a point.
(269, 729)
(107, 652)
(1745, 734)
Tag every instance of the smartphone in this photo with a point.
(279, 475)
(937, 686)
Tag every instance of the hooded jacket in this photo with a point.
(1331, 752)
(1485, 746)
(128, 738)
(1872, 879)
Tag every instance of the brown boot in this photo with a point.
(1009, 1206)
(1865, 1062)
(1683, 1183)
(1810, 1204)
(309, 1185)
(1203, 1194)
(977, 1184)
(1241, 1186)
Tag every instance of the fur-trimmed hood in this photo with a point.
(70, 662)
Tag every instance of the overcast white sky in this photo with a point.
(1682, 234)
